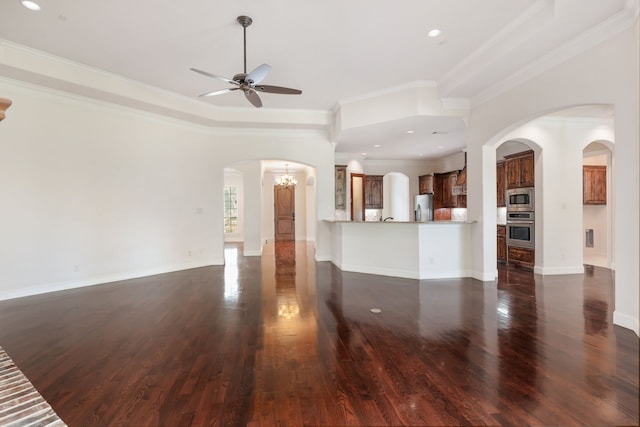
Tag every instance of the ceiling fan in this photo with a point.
(248, 83)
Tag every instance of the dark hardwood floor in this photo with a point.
(283, 340)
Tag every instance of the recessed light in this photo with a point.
(364, 154)
(434, 33)
(377, 145)
(411, 131)
(440, 147)
(31, 5)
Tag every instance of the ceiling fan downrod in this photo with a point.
(245, 21)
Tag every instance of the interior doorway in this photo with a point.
(284, 212)
(357, 197)
(597, 210)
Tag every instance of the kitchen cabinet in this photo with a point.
(594, 185)
(425, 184)
(373, 192)
(519, 170)
(521, 257)
(501, 241)
(500, 184)
(442, 190)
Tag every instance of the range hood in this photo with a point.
(460, 187)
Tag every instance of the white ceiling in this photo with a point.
(333, 50)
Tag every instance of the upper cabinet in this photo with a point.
(594, 185)
(500, 184)
(373, 192)
(425, 184)
(443, 196)
(519, 170)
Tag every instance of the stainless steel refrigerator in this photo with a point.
(423, 208)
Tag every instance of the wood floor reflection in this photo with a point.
(284, 340)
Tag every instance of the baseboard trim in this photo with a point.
(100, 280)
(626, 321)
(484, 276)
(551, 271)
(252, 253)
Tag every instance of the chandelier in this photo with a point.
(286, 180)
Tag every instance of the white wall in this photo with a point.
(96, 193)
(605, 74)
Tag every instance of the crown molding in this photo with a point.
(388, 91)
(30, 66)
(509, 38)
(597, 34)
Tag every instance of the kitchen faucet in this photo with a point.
(389, 217)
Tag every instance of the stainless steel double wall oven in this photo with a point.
(521, 217)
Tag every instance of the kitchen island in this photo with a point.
(414, 250)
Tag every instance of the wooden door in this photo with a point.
(284, 212)
(357, 197)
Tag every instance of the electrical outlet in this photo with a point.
(189, 253)
(76, 268)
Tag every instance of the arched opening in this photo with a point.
(597, 211)
(252, 182)
(558, 139)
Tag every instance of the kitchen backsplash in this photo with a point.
(459, 214)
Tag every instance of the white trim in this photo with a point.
(484, 276)
(595, 35)
(380, 271)
(626, 321)
(551, 271)
(252, 253)
(509, 38)
(388, 91)
(63, 286)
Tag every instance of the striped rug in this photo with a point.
(20, 402)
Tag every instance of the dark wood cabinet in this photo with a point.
(521, 257)
(501, 241)
(519, 170)
(425, 184)
(594, 185)
(443, 190)
(373, 192)
(500, 184)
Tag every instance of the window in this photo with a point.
(230, 208)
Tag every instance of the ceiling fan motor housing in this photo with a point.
(245, 21)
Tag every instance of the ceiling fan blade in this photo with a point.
(278, 89)
(215, 76)
(219, 92)
(253, 97)
(257, 75)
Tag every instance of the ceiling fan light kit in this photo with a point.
(248, 83)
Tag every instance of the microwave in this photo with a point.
(520, 199)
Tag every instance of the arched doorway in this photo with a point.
(597, 211)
